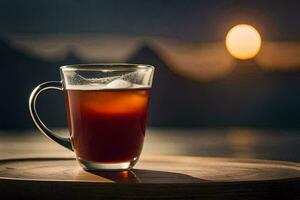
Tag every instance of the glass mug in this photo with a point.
(106, 108)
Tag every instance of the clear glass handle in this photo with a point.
(37, 121)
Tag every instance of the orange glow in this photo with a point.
(125, 102)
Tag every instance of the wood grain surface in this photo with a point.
(156, 177)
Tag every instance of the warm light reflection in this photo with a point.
(243, 41)
(242, 141)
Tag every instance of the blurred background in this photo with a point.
(220, 88)
(199, 82)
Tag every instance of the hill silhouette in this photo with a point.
(21, 72)
(246, 97)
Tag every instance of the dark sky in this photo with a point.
(188, 20)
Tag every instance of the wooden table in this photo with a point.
(174, 165)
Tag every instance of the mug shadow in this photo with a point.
(147, 176)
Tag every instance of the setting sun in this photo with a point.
(243, 41)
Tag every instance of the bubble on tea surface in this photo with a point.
(118, 83)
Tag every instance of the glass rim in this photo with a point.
(106, 67)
